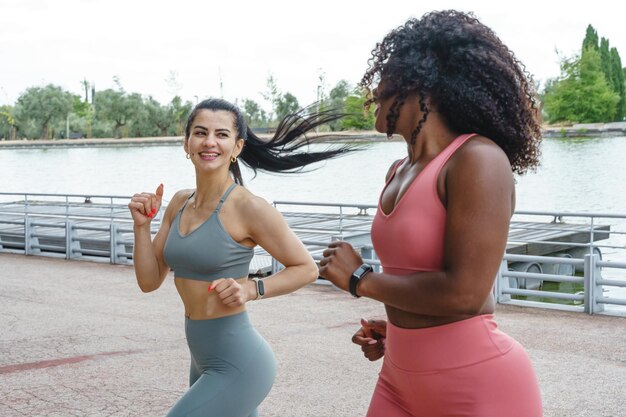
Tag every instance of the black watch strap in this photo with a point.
(356, 276)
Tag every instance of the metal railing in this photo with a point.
(583, 267)
(71, 226)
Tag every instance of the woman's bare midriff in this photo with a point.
(408, 320)
(200, 304)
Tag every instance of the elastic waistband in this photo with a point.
(453, 345)
(239, 319)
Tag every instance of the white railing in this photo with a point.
(583, 267)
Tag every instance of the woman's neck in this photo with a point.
(210, 188)
(432, 139)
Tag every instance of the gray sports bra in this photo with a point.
(208, 252)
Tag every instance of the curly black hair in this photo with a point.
(466, 72)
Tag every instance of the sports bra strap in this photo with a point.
(186, 201)
(225, 196)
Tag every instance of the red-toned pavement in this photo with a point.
(80, 339)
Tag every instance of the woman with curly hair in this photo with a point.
(466, 109)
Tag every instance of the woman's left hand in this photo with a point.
(339, 262)
(230, 292)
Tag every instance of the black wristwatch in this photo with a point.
(357, 276)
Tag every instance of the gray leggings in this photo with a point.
(232, 369)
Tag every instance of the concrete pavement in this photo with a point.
(80, 339)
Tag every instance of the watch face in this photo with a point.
(362, 270)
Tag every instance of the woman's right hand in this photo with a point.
(371, 337)
(144, 206)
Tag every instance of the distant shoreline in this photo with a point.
(361, 136)
(579, 130)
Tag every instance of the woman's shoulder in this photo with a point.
(179, 198)
(481, 148)
(249, 203)
(480, 153)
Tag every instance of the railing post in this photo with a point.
(276, 266)
(114, 258)
(367, 253)
(68, 239)
(341, 220)
(27, 242)
(72, 245)
(501, 282)
(592, 289)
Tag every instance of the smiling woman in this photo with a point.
(207, 237)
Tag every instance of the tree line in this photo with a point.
(50, 112)
(591, 87)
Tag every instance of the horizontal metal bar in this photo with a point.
(369, 261)
(11, 222)
(571, 214)
(542, 304)
(544, 277)
(544, 294)
(548, 242)
(51, 225)
(48, 247)
(544, 259)
(316, 204)
(611, 300)
(105, 253)
(67, 195)
(611, 282)
(610, 264)
(13, 245)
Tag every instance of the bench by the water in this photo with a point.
(93, 227)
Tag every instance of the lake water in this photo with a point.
(579, 175)
(575, 175)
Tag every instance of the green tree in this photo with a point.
(287, 104)
(8, 128)
(582, 93)
(611, 67)
(357, 117)
(619, 86)
(605, 61)
(253, 113)
(42, 108)
(116, 107)
(337, 100)
(272, 95)
(142, 124)
(159, 118)
(591, 39)
(178, 112)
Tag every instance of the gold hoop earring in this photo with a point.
(187, 156)
(233, 159)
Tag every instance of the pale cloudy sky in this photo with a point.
(241, 42)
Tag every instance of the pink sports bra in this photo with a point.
(411, 237)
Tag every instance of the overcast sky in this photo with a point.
(241, 42)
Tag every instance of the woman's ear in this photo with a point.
(238, 147)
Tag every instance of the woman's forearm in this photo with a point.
(290, 279)
(145, 261)
(426, 293)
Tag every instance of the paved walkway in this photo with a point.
(80, 339)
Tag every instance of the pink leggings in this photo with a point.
(467, 368)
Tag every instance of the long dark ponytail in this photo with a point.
(279, 154)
